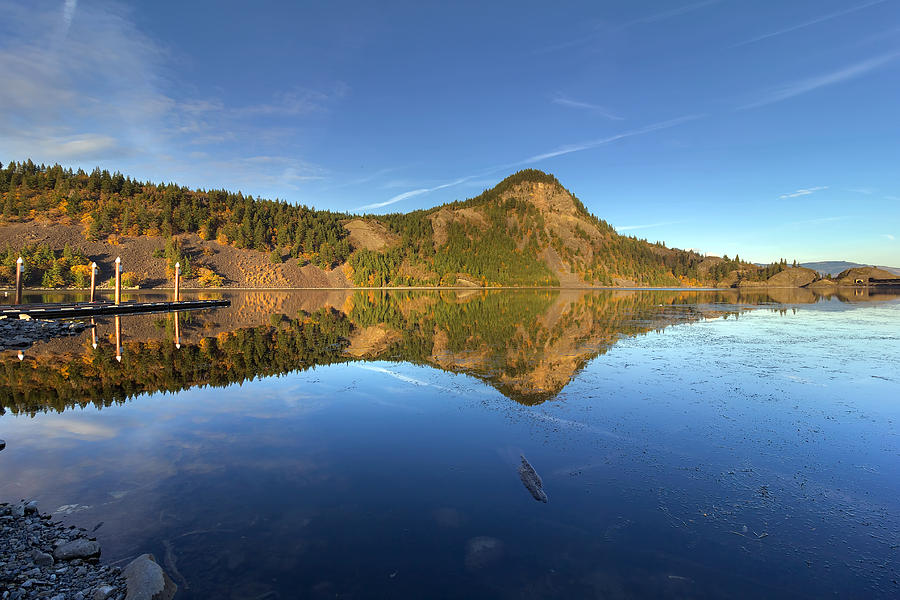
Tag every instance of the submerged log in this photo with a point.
(532, 481)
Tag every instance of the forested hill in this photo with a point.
(528, 230)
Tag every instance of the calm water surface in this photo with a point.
(366, 445)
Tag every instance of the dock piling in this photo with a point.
(118, 338)
(118, 279)
(177, 278)
(20, 274)
(93, 281)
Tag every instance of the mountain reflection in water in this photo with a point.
(526, 344)
(363, 444)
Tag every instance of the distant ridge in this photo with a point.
(835, 267)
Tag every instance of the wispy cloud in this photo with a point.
(562, 150)
(413, 193)
(369, 178)
(596, 108)
(804, 24)
(83, 84)
(601, 30)
(810, 84)
(888, 236)
(396, 199)
(405, 378)
(648, 226)
(264, 171)
(863, 190)
(294, 102)
(821, 220)
(803, 192)
(68, 14)
(569, 149)
(672, 12)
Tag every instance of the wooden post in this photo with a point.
(177, 316)
(93, 333)
(118, 279)
(93, 281)
(118, 339)
(20, 273)
(177, 278)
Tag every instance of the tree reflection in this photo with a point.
(526, 344)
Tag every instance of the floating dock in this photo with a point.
(93, 309)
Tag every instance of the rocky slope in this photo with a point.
(528, 230)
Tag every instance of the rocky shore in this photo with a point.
(43, 559)
(16, 334)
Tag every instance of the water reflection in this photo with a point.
(528, 345)
(346, 445)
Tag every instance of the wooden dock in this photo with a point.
(93, 309)
(893, 282)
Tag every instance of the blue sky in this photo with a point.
(762, 128)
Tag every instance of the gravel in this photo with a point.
(42, 558)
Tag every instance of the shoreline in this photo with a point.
(42, 558)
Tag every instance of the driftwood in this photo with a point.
(532, 481)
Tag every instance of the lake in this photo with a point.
(367, 444)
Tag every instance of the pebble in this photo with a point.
(103, 592)
(27, 566)
(42, 559)
(77, 548)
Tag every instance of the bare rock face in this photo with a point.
(78, 548)
(793, 277)
(145, 580)
(851, 276)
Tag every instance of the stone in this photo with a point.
(103, 592)
(78, 548)
(31, 508)
(18, 510)
(42, 559)
(145, 580)
(2, 444)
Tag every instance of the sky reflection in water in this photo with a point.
(715, 457)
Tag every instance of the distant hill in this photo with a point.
(836, 267)
(528, 230)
